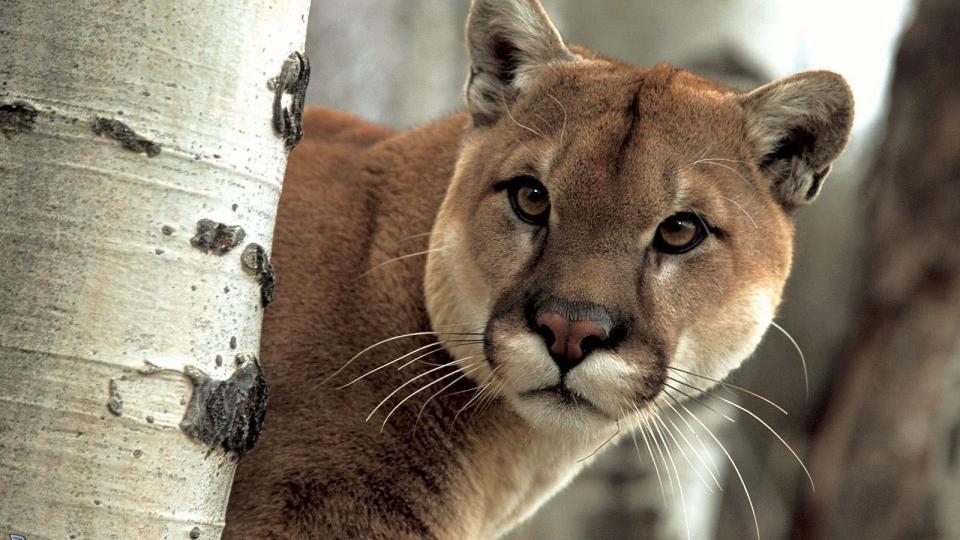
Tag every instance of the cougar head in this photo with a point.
(621, 235)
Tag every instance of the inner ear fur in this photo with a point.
(799, 125)
(507, 40)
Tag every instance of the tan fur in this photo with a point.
(620, 148)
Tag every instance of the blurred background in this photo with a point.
(879, 427)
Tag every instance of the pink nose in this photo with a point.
(569, 341)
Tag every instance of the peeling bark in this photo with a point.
(123, 126)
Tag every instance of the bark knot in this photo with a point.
(292, 84)
(16, 118)
(215, 237)
(128, 138)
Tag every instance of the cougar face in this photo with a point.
(621, 236)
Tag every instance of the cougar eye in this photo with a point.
(680, 233)
(529, 199)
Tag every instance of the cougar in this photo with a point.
(469, 310)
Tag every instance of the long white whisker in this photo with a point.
(563, 127)
(421, 389)
(400, 258)
(488, 400)
(696, 161)
(466, 372)
(709, 462)
(404, 385)
(394, 338)
(653, 460)
(711, 161)
(656, 443)
(443, 345)
(803, 361)
(676, 471)
(753, 511)
(742, 210)
(731, 385)
(514, 120)
(412, 236)
(694, 398)
(764, 424)
(684, 453)
(436, 345)
(479, 392)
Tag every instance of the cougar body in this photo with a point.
(468, 311)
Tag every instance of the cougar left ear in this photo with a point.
(800, 125)
(507, 41)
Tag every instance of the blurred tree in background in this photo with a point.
(886, 449)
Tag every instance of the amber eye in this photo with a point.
(529, 199)
(680, 233)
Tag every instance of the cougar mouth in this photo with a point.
(564, 398)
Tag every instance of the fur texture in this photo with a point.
(619, 149)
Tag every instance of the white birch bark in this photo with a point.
(98, 272)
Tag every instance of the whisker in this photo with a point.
(733, 386)
(467, 372)
(394, 338)
(480, 390)
(421, 389)
(473, 326)
(437, 346)
(653, 460)
(696, 161)
(563, 127)
(684, 453)
(710, 464)
(485, 382)
(412, 236)
(602, 445)
(712, 161)
(488, 400)
(656, 443)
(753, 511)
(764, 424)
(514, 120)
(742, 210)
(694, 398)
(443, 345)
(676, 471)
(803, 361)
(400, 258)
(404, 385)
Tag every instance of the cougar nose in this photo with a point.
(569, 340)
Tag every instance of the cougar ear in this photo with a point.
(800, 124)
(508, 40)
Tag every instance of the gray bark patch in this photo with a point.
(291, 83)
(256, 262)
(227, 413)
(214, 237)
(128, 138)
(115, 402)
(16, 118)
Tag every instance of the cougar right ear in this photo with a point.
(508, 40)
(799, 124)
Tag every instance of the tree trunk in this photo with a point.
(142, 150)
(886, 449)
